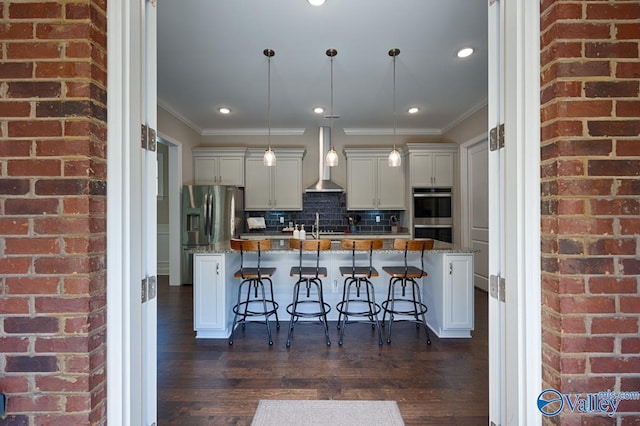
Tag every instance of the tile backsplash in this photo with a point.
(333, 215)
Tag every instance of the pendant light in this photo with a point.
(269, 158)
(394, 156)
(332, 156)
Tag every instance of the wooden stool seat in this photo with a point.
(310, 276)
(308, 272)
(405, 275)
(254, 273)
(358, 272)
(358, 276)
(399, 271)
(261, 303)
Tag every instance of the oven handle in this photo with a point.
(432, 195)
(432, 226)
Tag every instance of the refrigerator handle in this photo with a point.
(210, 233)
(207, 216)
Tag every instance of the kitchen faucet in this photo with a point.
(315, 229)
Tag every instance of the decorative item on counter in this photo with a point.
(303, 233)
(353, 221)
(393, 221)
(296, 233)
(256, 223)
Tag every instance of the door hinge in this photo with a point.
(149, 288)
(154, 3)
(148, 138)
(491, 2)
(497, 287)
(493, 424)
(496, 138)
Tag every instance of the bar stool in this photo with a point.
(308, 308)
(356, 276)
(253, 278)
(404, 305)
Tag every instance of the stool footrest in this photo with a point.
(371, 308)
(303, 314)
(418, 308)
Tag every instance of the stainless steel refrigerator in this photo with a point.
(210, 214)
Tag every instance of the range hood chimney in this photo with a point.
(324, 183)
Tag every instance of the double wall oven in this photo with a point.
(432, 213)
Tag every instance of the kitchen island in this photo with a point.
(448, 289)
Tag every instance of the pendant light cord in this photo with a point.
(331, 117)
(269, 103)
(394, 103)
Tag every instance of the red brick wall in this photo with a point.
(52, 211)
(590, 201)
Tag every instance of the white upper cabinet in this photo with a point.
(432, 164)
(274, 188)
(218, 166)
(371, 183)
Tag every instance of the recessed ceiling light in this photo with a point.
(318, 110)
(224, 110)
(413, 110)
(463, 53)
(316, 2)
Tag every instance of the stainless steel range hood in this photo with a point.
(324, 183)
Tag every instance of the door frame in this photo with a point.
(515, 346)
(465, 205)
(523, 194)
(131, 253)
(174, 187)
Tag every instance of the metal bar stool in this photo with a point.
(252, 278)
(356, 276)
(403, 275)
(308, 275)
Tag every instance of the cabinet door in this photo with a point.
(443, 169)
(390, 186)
(421, 169)
(361, 183)
(209, 303)
(257, 185)
(458, 292)
(231, 171)
(287, 184)
(205, 170)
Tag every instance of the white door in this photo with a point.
(514, 214)
(149, 216)
(497, 386)
(131, 214)
(476, 208)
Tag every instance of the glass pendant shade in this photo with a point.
(332, 158)
(394, 158)
(269, 158)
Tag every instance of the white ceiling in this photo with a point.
(210, 55)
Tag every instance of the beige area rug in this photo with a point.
(321, 413)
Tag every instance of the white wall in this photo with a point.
(178, 131)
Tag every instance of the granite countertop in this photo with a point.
(281, 246)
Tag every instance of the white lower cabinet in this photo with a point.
(213, 294)
(448, 292)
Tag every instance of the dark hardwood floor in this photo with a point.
(208, 382)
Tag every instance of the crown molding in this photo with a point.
(179, 116)
(465, 115)
(252, 132)
(354, 131)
